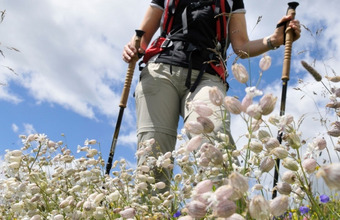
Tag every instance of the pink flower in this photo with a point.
(320, 143)
(194, 127)
(216, 96)
(309, 165)
(203, 187)
(208, 125)
(203, 110)
(267, 103)
(240, 73)
(232, 105)
(128, 213)
(265, 62)
(194, 143)
(246, 102)
(196, 209)
(254, 111)
(224, 208)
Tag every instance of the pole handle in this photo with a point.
(289, 32)
(130, 70)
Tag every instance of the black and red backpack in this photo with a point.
(217, 57)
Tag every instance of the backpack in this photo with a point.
(217, 58)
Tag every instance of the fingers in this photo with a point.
(295, 25)
(129, 52)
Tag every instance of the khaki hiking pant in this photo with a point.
(162, 97)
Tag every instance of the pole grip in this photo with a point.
(289, 36)
(130, 70)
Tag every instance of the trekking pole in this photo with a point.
(123, 100)
(285, 78)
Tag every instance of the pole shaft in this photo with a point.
(289, 36)
(123, 100)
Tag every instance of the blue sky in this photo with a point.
(69, 71)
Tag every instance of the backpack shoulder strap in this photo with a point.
(168, 17)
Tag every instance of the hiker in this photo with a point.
(187, 60)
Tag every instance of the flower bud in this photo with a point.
(240, 73)
(331, 175)
(263, 135)
(223, 137)
(238, 182)
(246, 102)
(271, 144)
(15, 153)
(267, 103)
(196, 209)
(89, 206)
(216, 96)
(208, 125)
(16, 207)
(256, 146)
(160, 185)
(194, 143)
(254, 111)
(203, 110)
(309, 165)
(203, 187)
(294, 140)
(320, 143)
(335, 132)
(212, 153)
(194, 127)
(142, 186)
(232, 105)
(283, 188)
(224, 208)
(289, 177)
(279, 205)
(333, 78)
(224, 192)
(267, 164)
(290, 164)
(235, 216)
(280, 153)
(128, 213)
(265, 62)
(259, 208)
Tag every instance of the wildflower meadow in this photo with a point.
(212, 178)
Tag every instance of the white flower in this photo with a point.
(253, 92)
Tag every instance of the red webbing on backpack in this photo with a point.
(167, 25)
(221, 32)
(156, 46)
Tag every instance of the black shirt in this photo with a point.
(201, 32)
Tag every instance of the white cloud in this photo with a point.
(15, 128)
(70, 52)
(29, 129)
